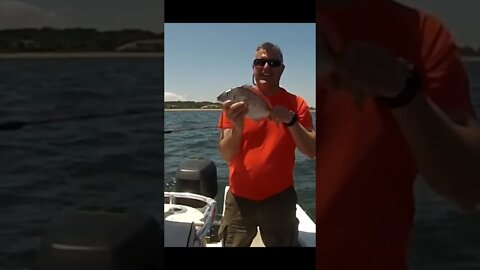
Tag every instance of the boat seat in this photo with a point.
(180, 234)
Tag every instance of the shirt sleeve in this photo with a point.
(445, 80)
(303, 113)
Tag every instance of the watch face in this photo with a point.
(293, 120)
(413, 84)
(409, 66)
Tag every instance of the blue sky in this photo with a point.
(461, 17)
(202, 60)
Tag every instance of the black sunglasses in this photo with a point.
(271, 62)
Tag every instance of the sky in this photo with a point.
(202, 60)
(99, 14)
(462, 17)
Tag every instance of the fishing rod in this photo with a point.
(186, 129)
(19, 124)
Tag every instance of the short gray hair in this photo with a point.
(268, 46)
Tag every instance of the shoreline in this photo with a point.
(192, 110)
(197, 110)
(48, 55)
(471, 58)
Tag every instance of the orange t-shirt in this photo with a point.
(365, 170)
(264, 165)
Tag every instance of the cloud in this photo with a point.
(16, 14)
(101, 15)
(169, 96)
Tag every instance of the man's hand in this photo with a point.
(304, 138)
(366, 70)
(361, 69)
(230, 138)
(281, 114)
(235, 112)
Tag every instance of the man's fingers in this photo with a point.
(238, 109)
(237, 105)
(277, 114)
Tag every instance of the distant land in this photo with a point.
(191, 105)
(469, 51)
(78, 40)
(184, 105)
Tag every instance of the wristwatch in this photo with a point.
(413, 85)
(293, 121)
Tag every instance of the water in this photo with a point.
(51, 168)
(444, 237)
(198, 137)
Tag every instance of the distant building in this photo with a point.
(212, 106)
(22, 45)
(149, 45)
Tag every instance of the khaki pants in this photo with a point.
(275, 216)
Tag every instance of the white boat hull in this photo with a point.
(175, 213)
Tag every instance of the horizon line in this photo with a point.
(80, 28)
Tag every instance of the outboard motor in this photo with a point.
(190, 210)
(106, 237)
(197, 175)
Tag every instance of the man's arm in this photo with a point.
(304, 139)
(446, 148)
(230, 140)
(439, 125)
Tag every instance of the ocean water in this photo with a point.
(47, 169)
(443, 236)
(195, 134)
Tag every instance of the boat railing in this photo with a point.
(208, 215)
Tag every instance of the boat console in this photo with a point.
(190, 210)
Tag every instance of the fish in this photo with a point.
(259, 106)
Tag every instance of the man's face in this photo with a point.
(267, 67)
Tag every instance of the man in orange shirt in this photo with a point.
(393, 100)
(261, 158)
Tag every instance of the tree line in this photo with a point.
(91, 40)
(469, 51)
(190, 104)
(72, 40)
(195, 105)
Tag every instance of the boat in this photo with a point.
(190, 211)
(115, 236)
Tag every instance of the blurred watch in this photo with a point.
(293, 121)
(413, 85)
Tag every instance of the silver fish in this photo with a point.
(258, 105)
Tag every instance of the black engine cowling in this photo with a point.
(197, 175)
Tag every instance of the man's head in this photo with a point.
(268, 65)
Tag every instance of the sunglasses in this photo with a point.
(271, 62)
